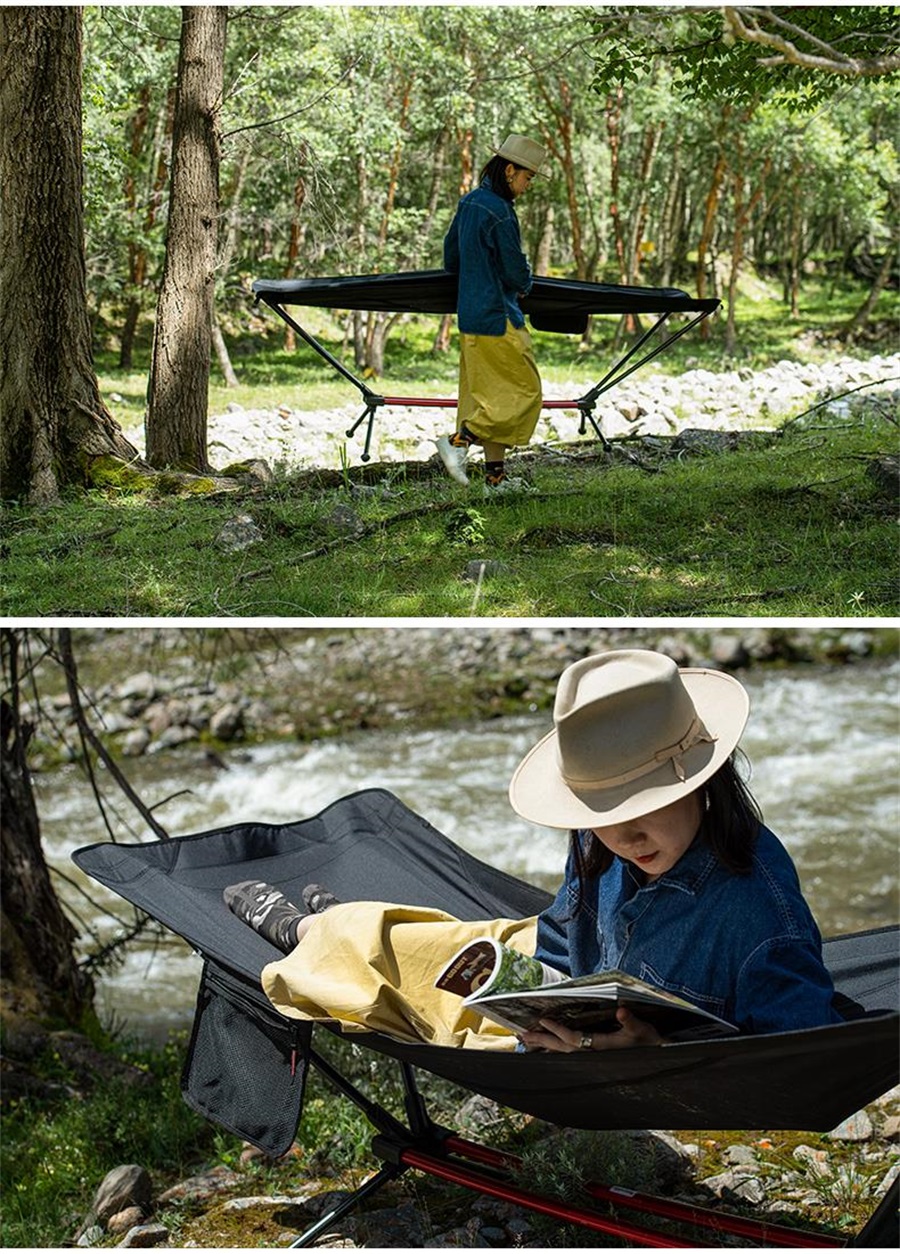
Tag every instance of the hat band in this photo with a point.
(695, 734)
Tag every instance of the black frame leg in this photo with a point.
(390, 1171)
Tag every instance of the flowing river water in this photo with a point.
(823, 742)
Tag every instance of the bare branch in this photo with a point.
(745, 24)
(90, 737)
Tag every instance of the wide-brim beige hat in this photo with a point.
(633, 733)
(521, 150)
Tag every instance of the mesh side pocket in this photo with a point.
(246, 1064)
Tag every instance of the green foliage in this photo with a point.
(54, 1154)
(709, 63)
(347, 133)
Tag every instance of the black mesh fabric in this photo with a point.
(246, 1064)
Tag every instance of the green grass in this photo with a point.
(789, 525)
(54, 1153)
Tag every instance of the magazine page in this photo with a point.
(590, 1004)
(486, 966)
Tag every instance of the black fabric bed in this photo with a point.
(246, 1063)
(559, 305)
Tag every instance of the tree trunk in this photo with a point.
(558, 99)
(708, 230)
(295, 243)
(743, 211)
(222, 355)
(52, 420)
(137, 253)
(543, 256)
(179, 370)
(635, 256)
(669, 251)
(862, 315)
(40, 977)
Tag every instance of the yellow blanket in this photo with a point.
(372, 966)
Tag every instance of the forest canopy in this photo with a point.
(348, 134)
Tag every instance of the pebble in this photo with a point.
(651, 404)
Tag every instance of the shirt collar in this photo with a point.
(688, 874)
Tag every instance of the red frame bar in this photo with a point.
(469, 1179)
(645, 1203)
(450, 402)
(769, 1234)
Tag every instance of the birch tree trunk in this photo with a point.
(179, 371)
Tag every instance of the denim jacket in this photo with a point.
(744, 947)
(484, 247)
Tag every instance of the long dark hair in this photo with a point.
(495, 170)
(729, 825)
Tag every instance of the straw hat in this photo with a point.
(521, 150)
(633, 733)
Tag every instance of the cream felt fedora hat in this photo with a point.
(633, 733)
(521, 150)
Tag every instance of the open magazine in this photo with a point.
(516, 991)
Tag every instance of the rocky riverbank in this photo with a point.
(816, 1182)
(155, 691)
(291, 438)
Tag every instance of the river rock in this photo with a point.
(136, 742)
(203, 1186)
(122, 1188)
(144, 1236)
(729, 652)
(227, 723)
(740, 1156)
(736, 1183)
(885, 474)
(142, 685)
(728, 400)
(91, 1236)
(239, 533)
(815, 1161)
(857, 1128)
(130, 1217)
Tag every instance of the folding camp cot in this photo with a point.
(561, 305)
(246, 1064)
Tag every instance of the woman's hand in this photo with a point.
(562, 1040)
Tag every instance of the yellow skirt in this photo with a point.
(372, 966)
(499, 386)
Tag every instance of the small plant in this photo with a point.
(562, 1165)
(466, 527)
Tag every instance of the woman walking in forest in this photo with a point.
(499, 383)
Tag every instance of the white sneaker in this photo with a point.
(454, 459)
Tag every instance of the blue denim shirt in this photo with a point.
(484, 247)
(744, 947)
